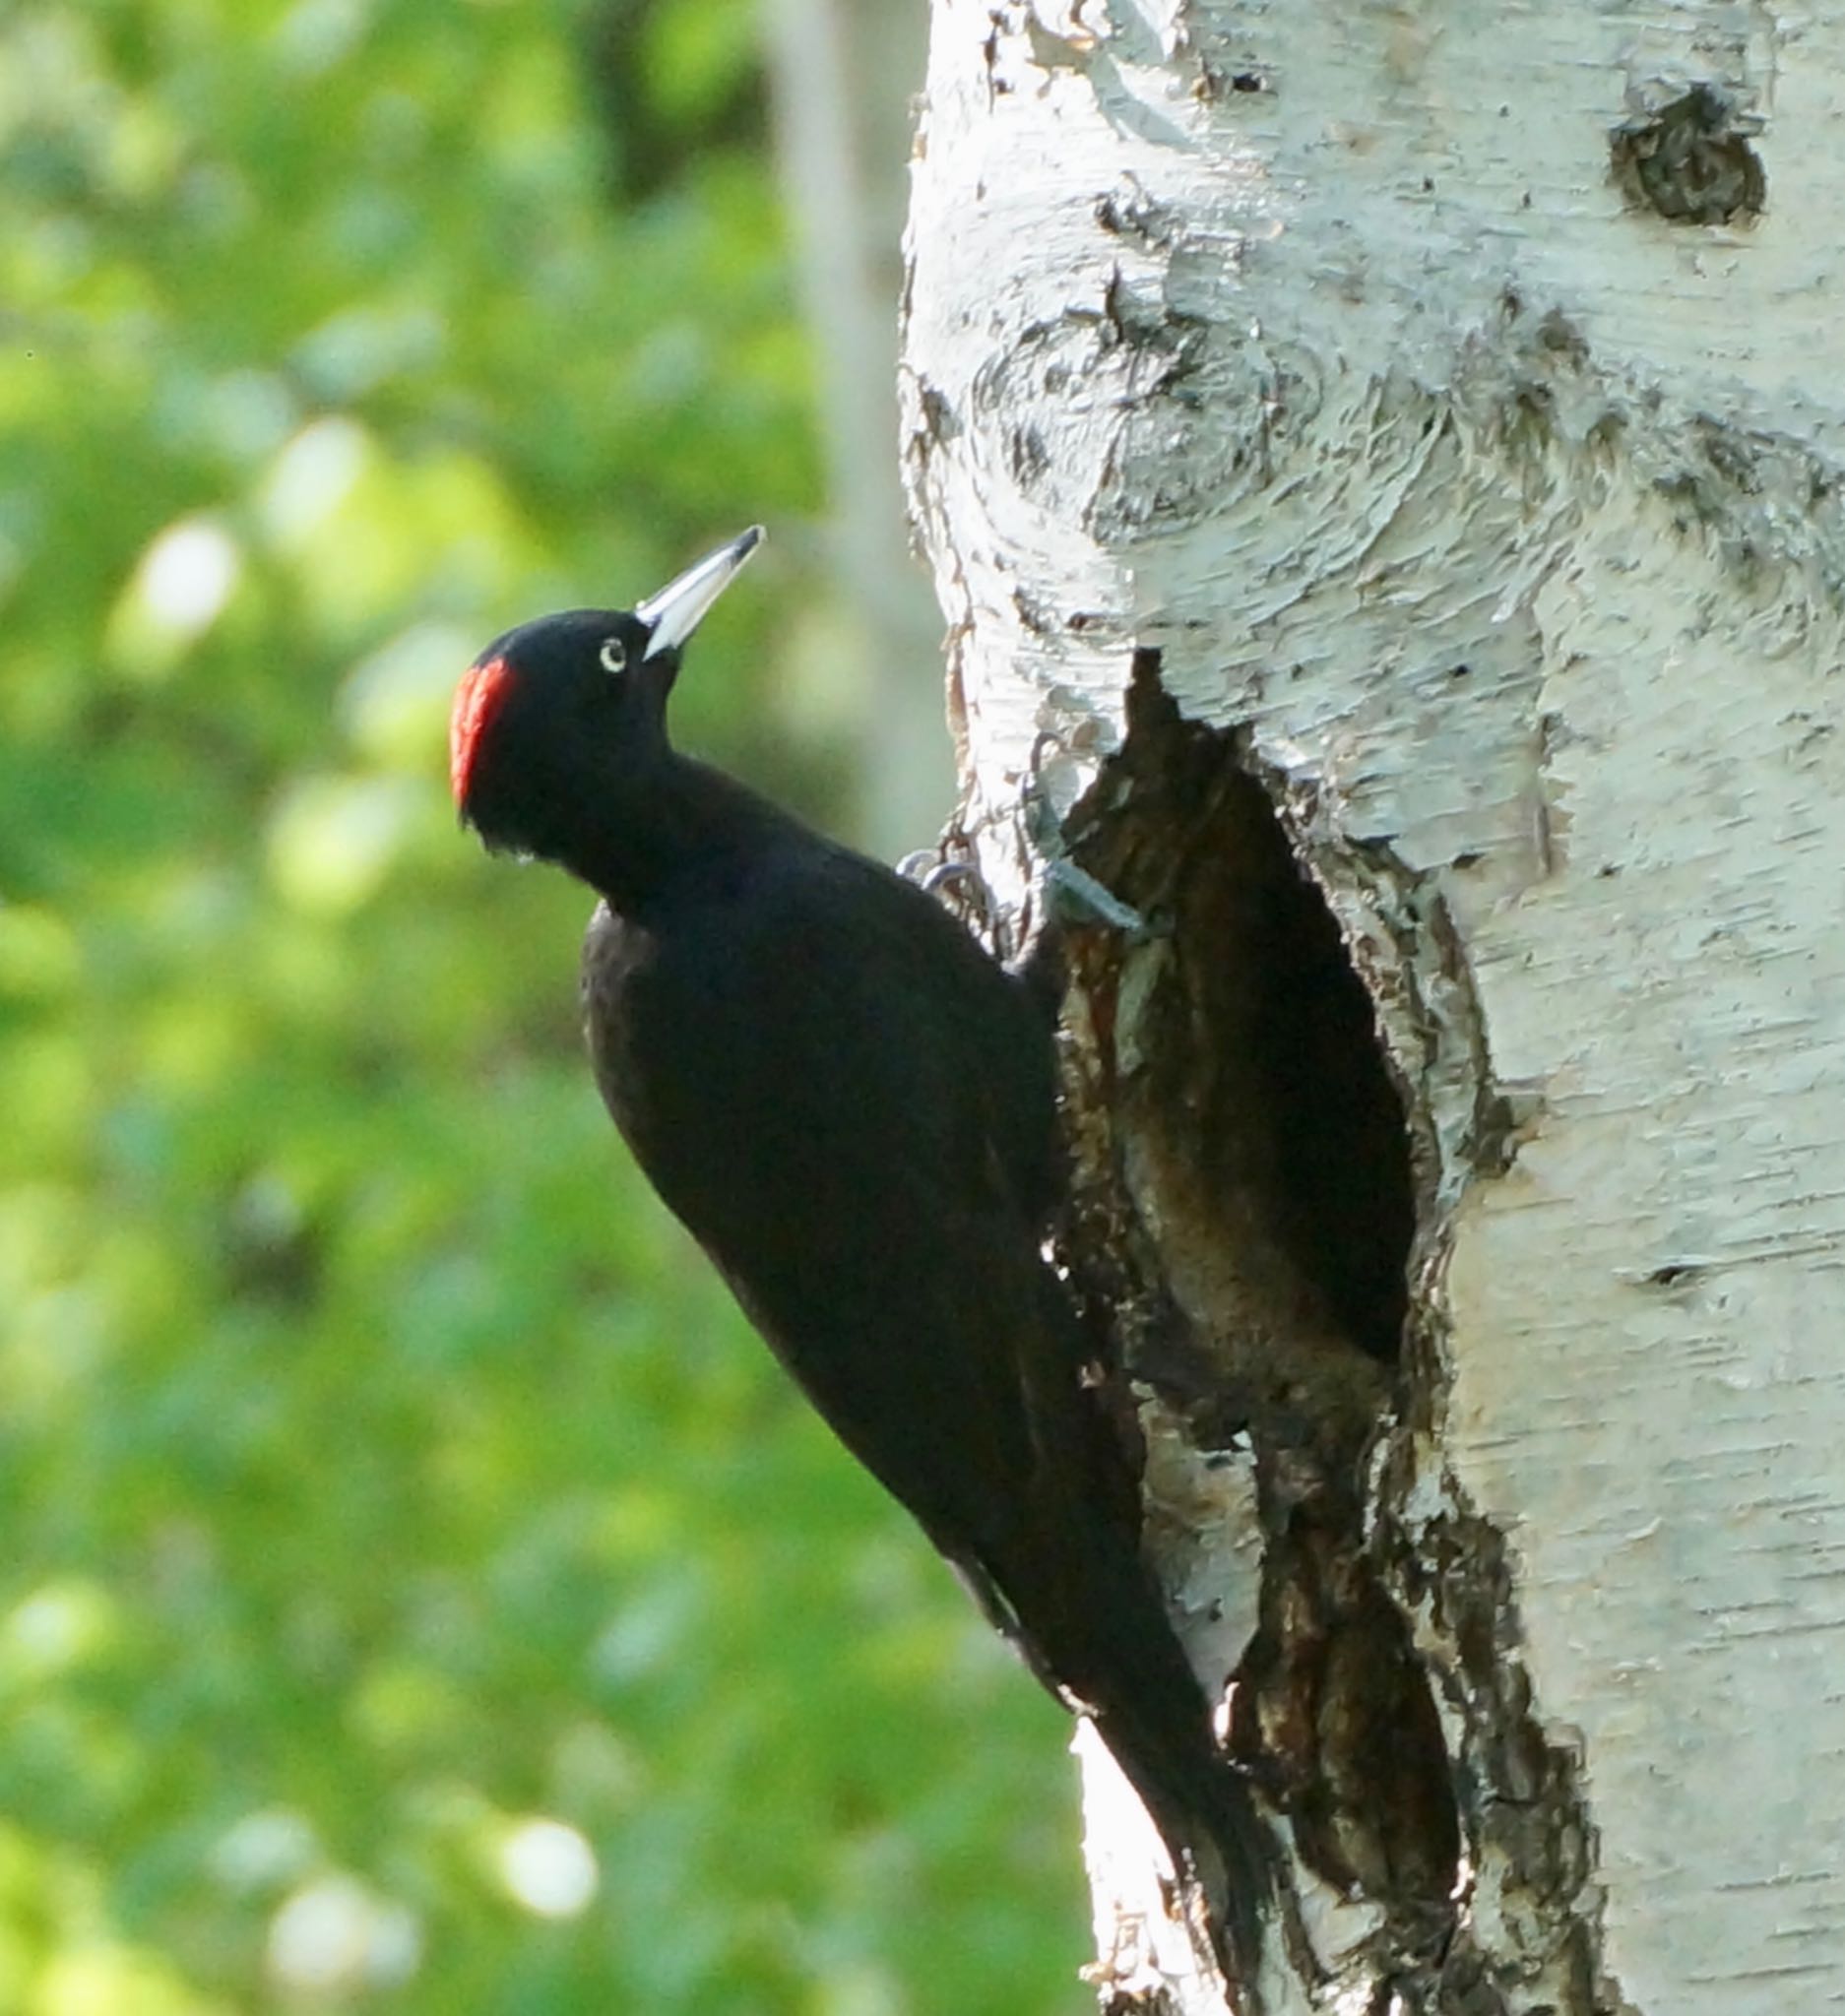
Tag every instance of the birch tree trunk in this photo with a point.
(1382, 467)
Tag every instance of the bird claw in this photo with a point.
(945, 873)
(1072, 894)
(1077, 897)
(957, 884)
(919, 864)
(1043, 830)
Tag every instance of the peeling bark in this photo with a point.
(1382, 476)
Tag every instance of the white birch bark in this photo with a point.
(1454, 398)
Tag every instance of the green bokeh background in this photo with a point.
(394, 1507)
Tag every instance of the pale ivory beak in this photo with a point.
(679, 607)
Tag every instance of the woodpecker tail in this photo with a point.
(1064, 1577)
(1128, 1672)
(1207, 1818)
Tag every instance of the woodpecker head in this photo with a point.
(572, 705)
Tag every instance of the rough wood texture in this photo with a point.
(1454, 402)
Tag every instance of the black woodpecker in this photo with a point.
(852, 1109)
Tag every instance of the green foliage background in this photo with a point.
(380, 1471)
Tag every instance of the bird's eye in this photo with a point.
(613, 654)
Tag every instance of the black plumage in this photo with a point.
(852, 1108)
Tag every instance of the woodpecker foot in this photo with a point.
(1077, 900)
(958, 885)
(1073, 897)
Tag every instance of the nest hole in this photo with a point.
(1255, 1077)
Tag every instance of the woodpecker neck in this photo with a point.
(684, 822)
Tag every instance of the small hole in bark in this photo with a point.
(1270, 1123)
(1691, 161)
